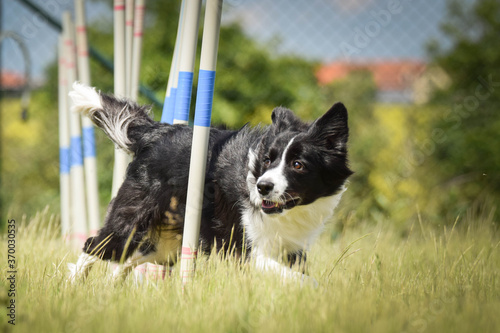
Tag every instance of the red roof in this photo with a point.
(11, 80)
(388, 75)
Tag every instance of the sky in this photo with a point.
(322, 30)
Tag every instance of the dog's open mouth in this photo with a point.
(271, 207)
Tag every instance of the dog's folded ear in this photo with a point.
(284, 119)
(331, 129)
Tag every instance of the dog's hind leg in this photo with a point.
(136, 259)
(164, 250)
(121, 271)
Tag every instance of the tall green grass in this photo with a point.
(370, 279)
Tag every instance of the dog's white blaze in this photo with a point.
(291, 231)
(277, 176)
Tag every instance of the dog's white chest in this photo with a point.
(291, 231)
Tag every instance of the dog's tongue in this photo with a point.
(268, 204)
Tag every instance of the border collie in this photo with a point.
(269, 190)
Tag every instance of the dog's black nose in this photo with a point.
(265, 187)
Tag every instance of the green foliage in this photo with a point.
(438, 160)
(29, 169)
(384, 139)
(357, 91)
(251, 82)
(468, 154)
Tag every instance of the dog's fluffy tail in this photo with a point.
(116, 117)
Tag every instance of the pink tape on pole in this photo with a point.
(139, 17)
(119, 5)
(79, 236)
(141, 268)
(187, 251)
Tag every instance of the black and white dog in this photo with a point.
(269, 190)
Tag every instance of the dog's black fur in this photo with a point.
(152, 199)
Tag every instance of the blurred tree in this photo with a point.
(358, 92)
(468, 158)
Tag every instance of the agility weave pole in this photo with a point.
(64, 144)
(167, 115)
(135, 69)
(122, 159)
(187, 55)
(129, 40)
(146, 271)
(78, 232)
(201, 133)
(89, 148)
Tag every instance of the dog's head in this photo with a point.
(297, 163)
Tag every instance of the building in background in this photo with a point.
(397, 81)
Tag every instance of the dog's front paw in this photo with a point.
(265, 263)
(307, 280)
(72, 272)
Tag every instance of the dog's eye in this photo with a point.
(297, 165)
(267, 162)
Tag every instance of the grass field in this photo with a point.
(370, 279)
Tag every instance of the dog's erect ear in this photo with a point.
(284, 119)
(331, 129)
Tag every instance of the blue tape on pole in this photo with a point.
(88, 142)
(76, 151)
(64, 160)
(171, 108)
(204, 98)
(164, 112)
(167, 115)
(183, 98)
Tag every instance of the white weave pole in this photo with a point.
(78, 207)
(167, 115)
(129, 41)
(89, 149)
(201, 133)
(140, 7)
(122, 159)
(190, 22)
(64, 145)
